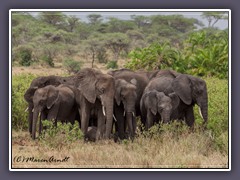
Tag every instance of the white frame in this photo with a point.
(118, 10)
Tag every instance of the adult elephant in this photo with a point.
(191, 90)
(124, 107)
(140, 81)
(95, 90)
(37, 83)
(53, 103)
(156, 105)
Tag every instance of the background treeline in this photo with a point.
(143, 42)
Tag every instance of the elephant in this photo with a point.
(37, 83)
(156, 105)
(91, 134)
(140, 80)
(190, 89)
(124, 107)
(95, 90)
(53, 103)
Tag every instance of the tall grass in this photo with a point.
(167, 146)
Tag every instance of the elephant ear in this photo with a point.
(53, 95)
(29, 94)
(152, 102)
(87, 84)
(118, 89)
(133, 81)
(182, 87)
(175, 100)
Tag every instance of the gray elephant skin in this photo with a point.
(53, 103)
(97, 90)
(157, 105)
(132, 109)
(125, 99)
(191, 90)
(39, 82)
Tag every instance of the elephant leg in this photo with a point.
(150, 119)
(100, 124)
(53, 114)
(30, 118)
(85, 115)
(190, 117)
(43, 117)
(121, 126)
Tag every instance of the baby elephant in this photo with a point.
(156, 105)
(53, 103)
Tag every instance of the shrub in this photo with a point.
(48, 60)
(72, 66)
(20, 84)
(25, 57)
(112, 65)
(59, 136)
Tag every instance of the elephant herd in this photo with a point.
(109, 103)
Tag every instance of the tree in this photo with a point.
(95, 46)
(214, 17)
(57, 19)
(94, 19)
(117, 25)
(116, 42)
(141, 21)
(72, 23)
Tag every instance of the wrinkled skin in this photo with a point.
(36, 84)
(191, 90)
(124, 107)
(140, 80)
(96, 90)
(156, 105)
(53, 103)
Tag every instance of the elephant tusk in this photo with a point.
(26, 109)
(114, 118)
(133, 114)
(200, 112)
(33, 110)
(124, 113)
(103, 109)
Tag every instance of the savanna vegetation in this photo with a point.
(142, 42)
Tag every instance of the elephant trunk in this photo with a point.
(165, 117)
(34, 123)
(203, 105)
(109, 117)
(30, 117)
(130, 117)
(204, 111)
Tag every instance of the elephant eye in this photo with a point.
(102, 90)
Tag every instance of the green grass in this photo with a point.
(168, 146)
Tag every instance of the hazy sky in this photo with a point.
(221, 24)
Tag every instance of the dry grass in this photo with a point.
(192, 150)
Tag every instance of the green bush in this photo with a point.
(72, 66)
(48, 60)
(112, 65)
(64, 133)
(20, 84)
(25, 57)
(202, 54)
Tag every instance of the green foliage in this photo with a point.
(20, 84)
(204, 53)
(112, 65)
(26, 57)
(72, 66)
(48, 60)
(155, 56)
(59, 136)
